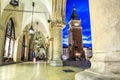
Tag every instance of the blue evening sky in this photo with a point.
(82, 8)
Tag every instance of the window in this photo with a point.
(9, 41)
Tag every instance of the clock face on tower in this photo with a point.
(76, 24)
(14, 2)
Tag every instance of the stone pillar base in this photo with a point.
(101, 70)
(106, 67)
(0, 62)
(91, 75)
(56, 63)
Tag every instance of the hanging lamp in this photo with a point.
(31, 30)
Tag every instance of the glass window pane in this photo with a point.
(6, 47)
(10, 37)
(13, 36)
(9, 28)
(11, 48)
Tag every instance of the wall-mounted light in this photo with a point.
(14, 3)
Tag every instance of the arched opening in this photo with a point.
(39, 47)
(78, 30)
(36, 43)
(23, 49)
(9, 42)
(77, 42)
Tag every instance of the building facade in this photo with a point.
(75, 38)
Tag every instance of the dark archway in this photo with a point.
(23, 49)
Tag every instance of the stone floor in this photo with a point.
(37, 71)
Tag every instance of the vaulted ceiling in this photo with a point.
(43, 7)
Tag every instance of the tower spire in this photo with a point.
(74, 15)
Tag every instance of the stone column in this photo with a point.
(26, 53)
(57, 45)
(50, 49)
(27, 45)
(1, 43)
(17, 50)
(2, 40)
(30, 48)
(105, 27)
(105, 24)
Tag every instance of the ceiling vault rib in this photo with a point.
(24, 11)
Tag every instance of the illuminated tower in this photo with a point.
(75, 38)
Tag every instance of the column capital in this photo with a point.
(58, 23)
(51, 39)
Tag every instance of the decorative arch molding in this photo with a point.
(41, 27)
(17, 18)
(7, 18)
(41, 17)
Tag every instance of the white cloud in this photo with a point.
(86, 37)
(87, 41)
(65, 41)
(66, 36)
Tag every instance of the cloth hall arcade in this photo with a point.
(30, 28)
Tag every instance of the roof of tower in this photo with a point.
(74, 15)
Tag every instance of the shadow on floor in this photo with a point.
(81, 64)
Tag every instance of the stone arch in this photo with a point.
(5, 16)
(45, 5)
(42, 20)
(9, 41)
(30, 42)
(14, 21)
(40, 27)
